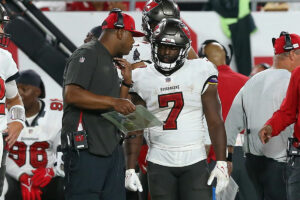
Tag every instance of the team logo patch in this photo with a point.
(136, 55)
(81, 59)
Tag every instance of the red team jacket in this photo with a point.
(288, 112)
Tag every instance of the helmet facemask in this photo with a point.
(170, 33)
(168, 67)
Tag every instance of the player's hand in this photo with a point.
(265, 134)
(221, 173)
(13, 129)
(29, 192)
(42, 176)
(132, 181)
(123, 106)
(138, 65)
(125, 68)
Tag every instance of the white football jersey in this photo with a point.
(8, 72)
(176, 100)
(36, 146)
(140, 51)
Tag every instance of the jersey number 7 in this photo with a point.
(177, 98)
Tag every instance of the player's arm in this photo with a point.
(132, 151)
(212, 111)
(16, 113)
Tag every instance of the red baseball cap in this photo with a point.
(280, 42)
(128, 22)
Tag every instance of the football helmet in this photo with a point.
(156, 10)
(170, 32)
(4, 38)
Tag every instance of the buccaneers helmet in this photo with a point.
(172, 33)
(3, 20)
(156, 10)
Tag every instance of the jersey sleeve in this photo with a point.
(10, 67)
(210, 75)
(80, 68)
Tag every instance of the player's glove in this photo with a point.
(42, 176)
(132, 181)
(221, 173)
(29, 192)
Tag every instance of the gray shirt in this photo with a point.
(260, 97)
(91, 68)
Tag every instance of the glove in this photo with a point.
(42, 176)
(29, 192)
(132, 181)
(221, 173)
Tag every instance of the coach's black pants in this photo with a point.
(179, 183)
(92, 177)
(267, 176)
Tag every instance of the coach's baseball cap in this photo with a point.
(30, 77)
(281, 44)
(113, 21)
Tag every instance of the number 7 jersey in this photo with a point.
(176, 101)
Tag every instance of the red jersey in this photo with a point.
(288, 112)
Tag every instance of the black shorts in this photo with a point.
(179, 183)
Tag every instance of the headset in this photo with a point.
(202, 54)
(264, 65)
(288, 46)
(120, 22)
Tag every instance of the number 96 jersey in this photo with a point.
(176, 101)
(36, 146)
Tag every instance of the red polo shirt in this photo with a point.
(288, 112)
(229, 84)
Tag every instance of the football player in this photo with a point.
(13, 121)
(153, 12)
(34, 169)
(180, 94)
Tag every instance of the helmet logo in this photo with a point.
(152, 4)
(168, 40)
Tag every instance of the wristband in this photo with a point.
(127, 85)
(229, 157)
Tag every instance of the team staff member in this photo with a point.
(288, 113)
(254, 104)
(91, 87)
(13, 121)
(32, 170)
(230, 83)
